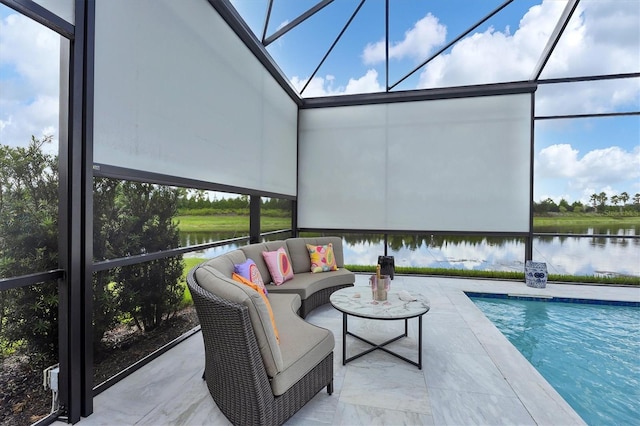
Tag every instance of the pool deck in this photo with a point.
(471, 373)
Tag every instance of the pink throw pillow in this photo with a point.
(279, 265)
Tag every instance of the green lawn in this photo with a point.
(222, 223)
(585, 220)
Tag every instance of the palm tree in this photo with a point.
(602, 200)
(615, 200)
(624, 197)
(594, 200)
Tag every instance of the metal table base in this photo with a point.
(381, 346)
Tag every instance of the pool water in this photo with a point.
(589, 353)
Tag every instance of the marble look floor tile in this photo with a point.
(193, 406)
(386, 383)
(443, 318)
(452, 339)
(464, 372)
(455, 387)
(319, 411)
(468, 408)
(359, 415)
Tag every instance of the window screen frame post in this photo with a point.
(255, 203)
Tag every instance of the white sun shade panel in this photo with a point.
(63, 8)
(178, 93)
(442, 165)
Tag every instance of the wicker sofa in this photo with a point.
(261, 369)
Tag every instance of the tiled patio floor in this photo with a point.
(471, 373)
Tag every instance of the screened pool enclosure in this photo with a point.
(359, 115)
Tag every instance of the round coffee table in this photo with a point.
(358, 302)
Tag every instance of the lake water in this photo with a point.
(563, 255)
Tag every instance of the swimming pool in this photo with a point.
(590, 353)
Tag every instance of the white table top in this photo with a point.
(358, 301)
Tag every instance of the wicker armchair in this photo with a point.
(234, 369)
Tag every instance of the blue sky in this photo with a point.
(574, 158)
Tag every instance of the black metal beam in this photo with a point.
(30, 279)
(326, 55)
(297, 21)
(589, 78)
(528, 247)
(603, 114)
(421, 95)
(116, 172)
(85, 112)
(554, 38)
(255, 203)
(266, 20)
(244, 33)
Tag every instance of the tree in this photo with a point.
(107, 239)
(624, 197)
(149, 292)
(594, 200)
(615, 200)
(29, 243)
(602, 201)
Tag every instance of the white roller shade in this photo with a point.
(178, 93)
(444, 165)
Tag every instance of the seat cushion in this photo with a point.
(302, 345)
(306, 283)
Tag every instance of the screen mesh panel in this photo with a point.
(178, 93)
(442, 165)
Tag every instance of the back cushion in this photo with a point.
(227, 261)
(299, 254)
(217, 283)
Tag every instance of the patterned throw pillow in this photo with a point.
(322, 258)
(279, 265)
(249, 270)
(243, 280)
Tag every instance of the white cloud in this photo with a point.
(494, 56)
(603, 37)
(29, 80)
(320, 86)
(608, 170)
(418, 43)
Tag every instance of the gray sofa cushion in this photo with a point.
(225, 263)
(212, 280)
(299, 254)
(303, 345)
(306, 283)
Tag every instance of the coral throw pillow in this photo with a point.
(243, 280)
(322, 258)
(279, 265)
(249, 270)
